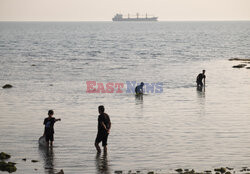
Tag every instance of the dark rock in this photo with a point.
(244, 169)
(179, 170)
(228, 172)
(238, 59)
(240, 66)
(229, 168)
(248, 67)
(118, 172)
(11, 163)
(9, 167)
(61, 172)
(33, 65)
(150, 172)
(221, 170)
(24, 159)
(190, 172)
(34, 161)
(7, 86)
(208, 171)
(217, 172)
(4, 156)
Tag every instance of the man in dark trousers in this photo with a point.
(199, 79)
(49, 127)
(104, 126)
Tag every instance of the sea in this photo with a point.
(73, 67)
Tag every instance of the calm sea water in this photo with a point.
(49, 63)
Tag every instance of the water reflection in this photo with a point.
(48, 157)
(201, 102)
(139, 99)
(200, 93)
(102, 166)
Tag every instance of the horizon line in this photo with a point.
(229, 20)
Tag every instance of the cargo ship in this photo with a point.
(119, 17)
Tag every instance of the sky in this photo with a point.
(104, 10)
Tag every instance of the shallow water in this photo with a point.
(49, 63)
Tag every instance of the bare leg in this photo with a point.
(97, 147)
(105, 149)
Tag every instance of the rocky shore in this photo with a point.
(10, 167)
(245, 62)
(220, 170)
(6, 166)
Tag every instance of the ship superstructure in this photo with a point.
(119, 17)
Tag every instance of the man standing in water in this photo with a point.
(199, 79)
(49, 127)
(104, 126)
(139, 88)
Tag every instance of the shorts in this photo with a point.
(199, 83)
(49, 137)
(102, 137)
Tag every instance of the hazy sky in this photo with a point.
(104, 10)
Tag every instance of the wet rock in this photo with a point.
(179, 170)
(9, 167)
(190, 172)
(240, 66)
(61, 172)
(34, 161)
(238, 59)
(7, 86)
(4, 156)
(221, 170)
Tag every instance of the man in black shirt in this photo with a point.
(104, 126)
(49, 127)
(139, 89)
(199, 79)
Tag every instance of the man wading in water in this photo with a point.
(104, 126)
(199, 80)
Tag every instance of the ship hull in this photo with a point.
(134, 19)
